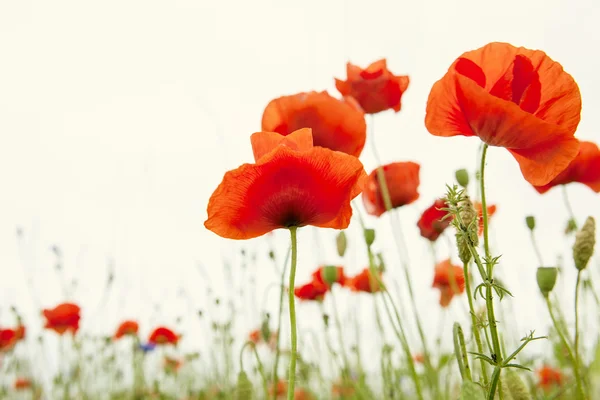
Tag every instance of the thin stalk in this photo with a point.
(497, 352)
(576, 346)
(338, 326)
(261, 371)
(292, 306)
(460, 350)
(474, 323)
(568, 205)
(536, 248)
(279, 319)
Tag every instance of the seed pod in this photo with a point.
(341, 243)
(369, 236)
(546, 279)
(462, 177)
(585, 240)
(530, 221)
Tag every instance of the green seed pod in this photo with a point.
(369, 236)
(243, 387)
(585, 240)
(462, 177)
(341, 243)
(530, 221)
(329, 273)
(546, 279)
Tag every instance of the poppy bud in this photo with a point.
(341, 243)
(470, 218)
(515, 386)
(464, 253)
(530, 221)
(329, 273)
(326, 319)
(462, 177)
(546, 279)
(243, 390)
(571, 226)
(369, 236)
(585, 240)
(271, 254)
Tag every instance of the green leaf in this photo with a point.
(471, 391)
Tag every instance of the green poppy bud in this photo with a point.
(329, 273)
(462, 177)
(341, 243)
(585, 240)
(369, 236)
(530, 221)
(546, 279)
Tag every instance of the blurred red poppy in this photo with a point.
(510, 97)
(328, 275)
(292, 184)
(549, 377)
(127, 328)
(402, 179)
(336, 124)
(450, 280)
(64, 317)
(364, 282)
(375, 88)
(491, 210)
(433, 222)
(585, 168)
(163, 335)
(172, 365)
(254, 336)
(311, 291)
(22, 384)
(8, 339)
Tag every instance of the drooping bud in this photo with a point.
(530, 221)
(243, 387)
(326, 319)
(464, 253)
(341, 243)
(462, 177)
(585, 240)
(369, 236)
(330, 274)
(546, 279)
(470, 219)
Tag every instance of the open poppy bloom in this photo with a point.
(510, 97)
(292, 184)
(450, 280)
(336, 124)
(64, 317)
(311, 291)
(433, 222)
(402, 179)
(375, 88)
(364, 282)
(127, 328)
(162, 335)
(491, 210)
(549, 377)
(328, 275)
(585, 168)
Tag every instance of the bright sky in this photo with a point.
(119, 118)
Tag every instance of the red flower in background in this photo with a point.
(549, 377)
(491, 210)
(585, 168)
(450, 280)
(172, 365)
(292, 184)
(402, 179)
(255, 336)
(364, 282)
(510, 97)
(8, 339)
(336, 124)
(127, 328)
(432, 222)
(328, 275)
(64, 317)
(311, 291)
(375, 88)
(162, 335)
(22, 384)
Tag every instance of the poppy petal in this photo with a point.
(264, 142)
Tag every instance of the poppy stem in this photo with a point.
(474, 323)
(279, 320)
(292, 306)
(536, 249)
(580, 394)
(460, 350)
(572, 219)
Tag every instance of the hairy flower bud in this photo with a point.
(530, 221)
(464, 253)
(462, 177)
(369, 236)
(546, 279)
(243, 388)
(585, 240)
(341, 243)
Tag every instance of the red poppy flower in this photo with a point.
(8, 339)
(172, 365)
(336, 124)
(127, 328)
(363, 282)
(328, 275)
(303, 394)
(432, 222)
(375, 88)
(279, 388)
(291, 184)
(64, 317)
(255, 336)
(311, 291)
(20, 332)
(510, 97)
(491, 210)
(402, 179)
(162, 335)
(419, 358)
(341, 390)
(549, 377)
(585, 168)
(22, 384)
(450, 279)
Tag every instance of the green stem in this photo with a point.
(536, 249)
(338, 326)
(565, 343)
(576, 346)
(460, 350)
(497, 352)
(292, 306)
(261, 371)
(568, 205)
(475, 324)
(279, 319)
